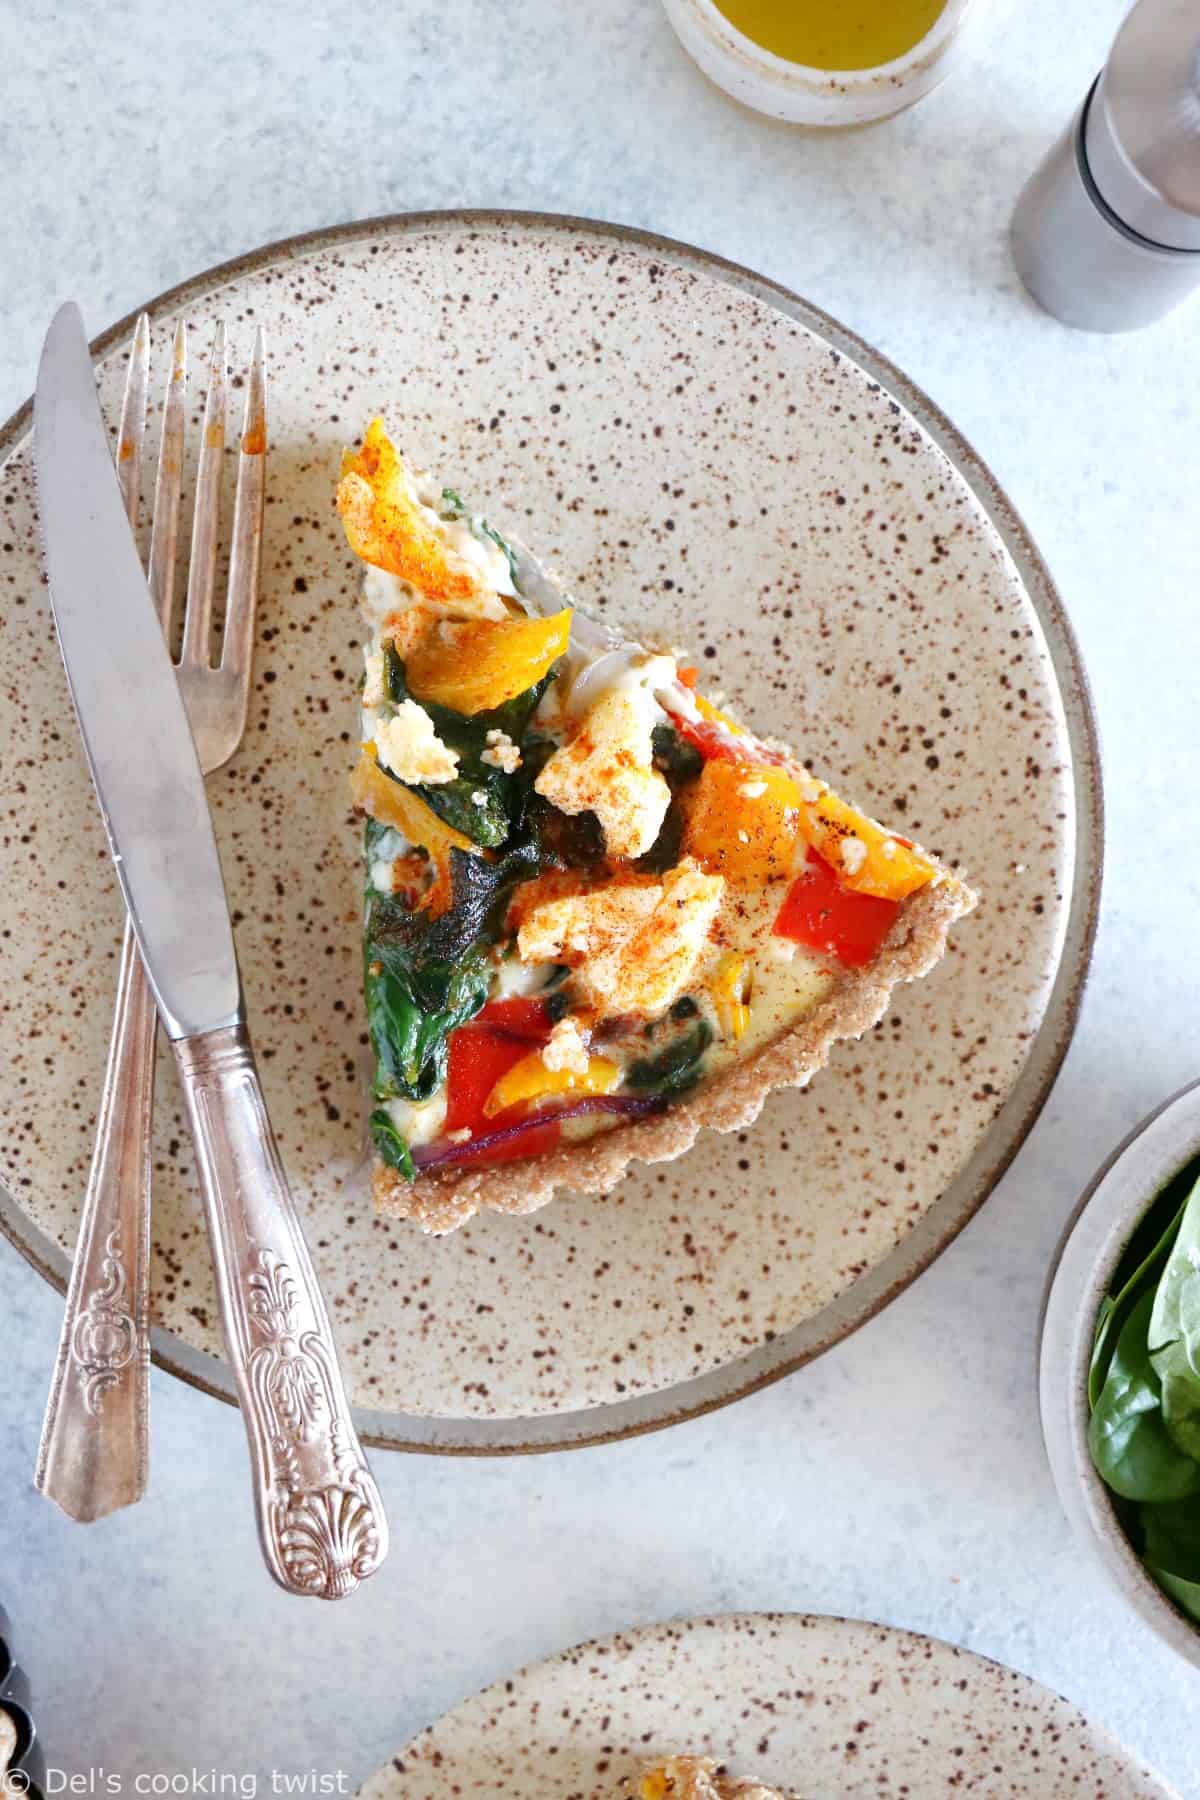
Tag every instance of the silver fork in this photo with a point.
(93, 1453)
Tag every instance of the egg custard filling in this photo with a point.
(600, 913)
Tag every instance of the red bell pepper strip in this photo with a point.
(828, 917)
(479, 1056)
(519, 1017)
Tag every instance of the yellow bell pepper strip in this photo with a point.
(475, 665)
(743, 820)
(729, 994)
(385, 525)
(866, 858)
(530, 1080)
(394, 804)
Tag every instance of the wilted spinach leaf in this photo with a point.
(474, 804)
(412, 1007)
(481, 801)
(675, 1069)
(425, 976)
(390, 1144)
(674, 757)
(663, 853)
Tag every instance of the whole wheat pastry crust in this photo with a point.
(441, 1201)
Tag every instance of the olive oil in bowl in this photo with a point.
(826, 65)
(834, 34)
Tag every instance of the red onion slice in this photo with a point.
(443, 1155)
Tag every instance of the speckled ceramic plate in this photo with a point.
(820, 1707)
(708, 457)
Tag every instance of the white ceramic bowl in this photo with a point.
(1102, 1225)
(822, 99)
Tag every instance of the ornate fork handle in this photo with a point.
(319, 1513)
(93, 1451)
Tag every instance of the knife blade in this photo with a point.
(321, 1521)
(131, 716)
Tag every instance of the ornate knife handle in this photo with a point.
(93, 1451)
(319, 1513)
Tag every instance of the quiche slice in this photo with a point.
(600, 912)
(698, 1778)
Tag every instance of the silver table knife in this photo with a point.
(319, 1513)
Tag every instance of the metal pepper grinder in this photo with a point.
(1106, 234)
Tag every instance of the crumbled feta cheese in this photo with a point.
(373, 690)
(501, 752)
(854, 854)
(607, 768)
(478, 796)
(637, 943)
(409, 746)
(566, 1049)
(752, 790)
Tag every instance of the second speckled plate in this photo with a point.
(821, 1706)
(707, 457)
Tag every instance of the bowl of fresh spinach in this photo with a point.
(1120, 1371)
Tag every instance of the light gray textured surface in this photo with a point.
(902, 1477)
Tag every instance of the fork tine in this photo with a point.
(133, 420)
(246, 551)
(168, 483)
(206, 519)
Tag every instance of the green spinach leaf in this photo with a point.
(1185, 1594)
(1144, 1259)
(1171, 1538)
(675, 1069)
(481, 801)
(1175, 1332)
(475, 804)
(1101, 1349)
(674, 757)
(1128, 1439)
(391, 1145)
(425, 976)
(466, 732)
(663, 853)
(412, 1007)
